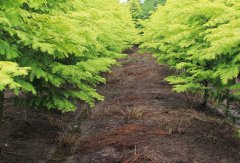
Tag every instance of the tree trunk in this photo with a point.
(1, 107)
(206, 94)
(26, 114)
(227, 103)
(1, 118)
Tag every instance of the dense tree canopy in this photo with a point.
(64, 44)
(199, 38)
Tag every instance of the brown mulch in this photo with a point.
(125, 137)
(142, 120)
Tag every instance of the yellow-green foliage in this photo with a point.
(66, 43)
(200, 38)
(9, 71)
(135, 9)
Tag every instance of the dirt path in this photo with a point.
(142, 120)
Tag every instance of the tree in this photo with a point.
(200, 40)
(9, 73)
(149, 6)
(66, 44)
(135, 9)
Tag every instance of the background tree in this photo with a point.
(149, 6)
(136, 10)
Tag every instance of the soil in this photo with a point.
(141, 120)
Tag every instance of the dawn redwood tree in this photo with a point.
(9, 75)
(199, 38)
(66, 46)
(150, 6)
(136, 10)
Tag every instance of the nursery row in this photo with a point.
(54, 52)
(201, 40)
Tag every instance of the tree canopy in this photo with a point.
(65, 46)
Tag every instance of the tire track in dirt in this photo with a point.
(142, 120)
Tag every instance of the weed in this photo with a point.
(133, 114)
(237, 134)
(67, 139)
